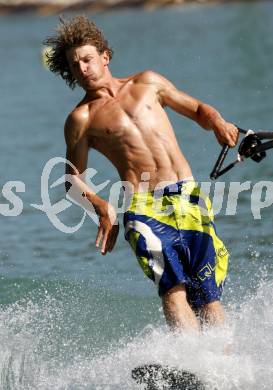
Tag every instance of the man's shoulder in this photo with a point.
(147, 77)
(79, 114)
(77, 122)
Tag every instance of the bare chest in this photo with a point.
(123, 115)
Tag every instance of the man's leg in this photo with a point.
(213, 314)
(178, 312)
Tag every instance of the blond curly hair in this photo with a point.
(74, 32)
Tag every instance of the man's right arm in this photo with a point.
(77, 154)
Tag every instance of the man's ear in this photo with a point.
(105, 57)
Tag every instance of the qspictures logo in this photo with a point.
(224, 196)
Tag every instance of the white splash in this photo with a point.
(248, 365)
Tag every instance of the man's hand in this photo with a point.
(227, 133)
(108, 228)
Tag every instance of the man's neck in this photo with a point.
(108, 86)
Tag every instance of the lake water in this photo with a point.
(72, 319)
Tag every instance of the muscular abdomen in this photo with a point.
(139, 139)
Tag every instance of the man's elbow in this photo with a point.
(206, 115)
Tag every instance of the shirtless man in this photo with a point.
(124, 119)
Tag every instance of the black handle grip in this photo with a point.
(242, 131)
(216, 172)
(219, 162)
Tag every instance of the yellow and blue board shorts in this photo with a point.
(172, 233)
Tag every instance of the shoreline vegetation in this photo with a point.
(46, 7)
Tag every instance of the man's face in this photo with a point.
(87, 65)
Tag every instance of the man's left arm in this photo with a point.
(205, 115)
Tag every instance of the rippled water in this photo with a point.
(71, 319)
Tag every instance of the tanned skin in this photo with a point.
(124, 119)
